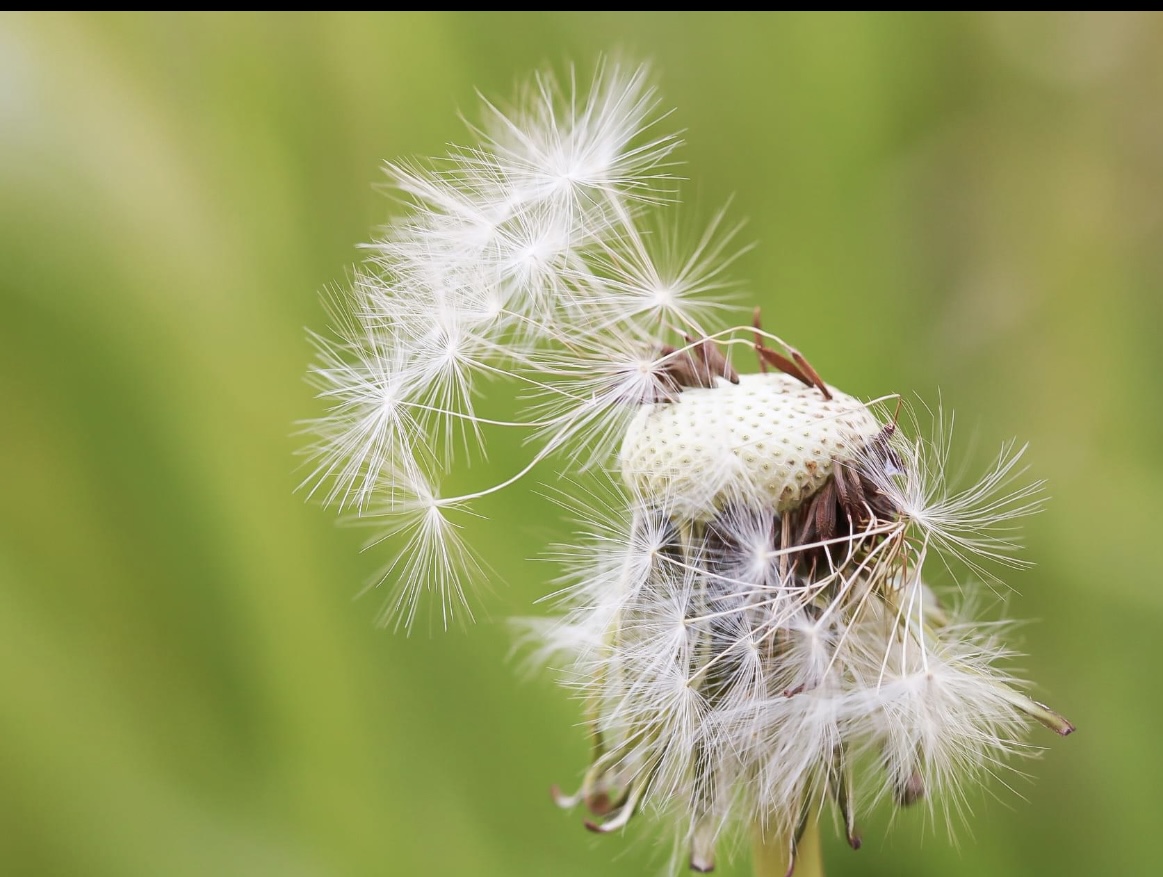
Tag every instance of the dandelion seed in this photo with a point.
(747, 617)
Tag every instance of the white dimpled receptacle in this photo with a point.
(767, 442)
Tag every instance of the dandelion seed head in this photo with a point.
(747, 612)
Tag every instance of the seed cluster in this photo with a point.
(749, 616)
(767, 626)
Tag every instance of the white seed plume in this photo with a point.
(747, 617)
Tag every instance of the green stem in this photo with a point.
(770, 854)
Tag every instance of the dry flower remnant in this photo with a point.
(746, 614)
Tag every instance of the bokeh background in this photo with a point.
(968, 207)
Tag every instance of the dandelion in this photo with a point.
(746, 613)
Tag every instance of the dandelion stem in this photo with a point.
(771, 852)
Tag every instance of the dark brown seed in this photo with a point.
(826, 511)
(813, 375)
(713, 358)
(784, 364)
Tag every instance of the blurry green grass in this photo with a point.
(962, 204)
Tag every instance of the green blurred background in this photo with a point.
(969, 205)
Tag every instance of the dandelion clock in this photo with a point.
(746, 619)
